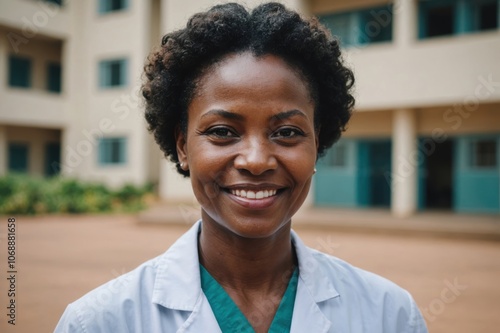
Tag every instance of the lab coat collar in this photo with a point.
(312, 274)
(314, 287)
(178, 284)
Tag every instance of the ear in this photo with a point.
(181, 147)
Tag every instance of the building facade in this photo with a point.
(425, 133)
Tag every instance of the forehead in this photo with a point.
(261, 79)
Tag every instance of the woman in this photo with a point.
(243, 104)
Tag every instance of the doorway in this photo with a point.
(374, 164)
(439, 177)
(380, 166)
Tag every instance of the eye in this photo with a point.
(288, 132)
(221, 132)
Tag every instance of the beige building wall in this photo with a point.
(483, 118)
(110, 112)
(20, 106)
(440, 71)
(78, 36)
(33, 18)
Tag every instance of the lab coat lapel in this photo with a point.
(314, 288)
(201, 320)
(307, 316)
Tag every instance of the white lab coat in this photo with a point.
(165, 295)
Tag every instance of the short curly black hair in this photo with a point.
(172, 71)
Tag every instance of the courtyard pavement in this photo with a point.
(455, 280)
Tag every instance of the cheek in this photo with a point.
(301, 162)
(207, 171)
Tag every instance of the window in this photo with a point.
(484, 153)
(52, 159)
(54, 77)
(106, 6)
(440, 20)
(113, 73)
(112, 151)
(18, 157)
(485, 15)
(362, 26)
(57, 2)
(337, 156)
(19, 72)
(451, 17)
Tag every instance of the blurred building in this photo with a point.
(428, 106)
(425, 135)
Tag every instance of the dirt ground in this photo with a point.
(456, 283)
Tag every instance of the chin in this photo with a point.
(257, 228)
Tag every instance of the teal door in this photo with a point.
(355, 174)
(477, 174)
(18, 157)
(437, 175)
(335, 181)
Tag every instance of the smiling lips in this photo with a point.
(249, 194)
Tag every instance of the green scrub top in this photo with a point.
(229, 316)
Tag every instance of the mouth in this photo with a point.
(252, 194)
(255, 196)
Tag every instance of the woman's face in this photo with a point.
(250, 144)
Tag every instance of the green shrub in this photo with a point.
(22, 194)
(130, 198)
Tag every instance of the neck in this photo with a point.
(240, 263)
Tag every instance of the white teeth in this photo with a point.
(254, 195)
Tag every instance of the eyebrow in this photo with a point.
(234, 116)
(288, 114)
(224, 114)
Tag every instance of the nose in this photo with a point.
(256, 157)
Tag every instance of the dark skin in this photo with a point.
(250, 147)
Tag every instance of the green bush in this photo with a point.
(22, 194)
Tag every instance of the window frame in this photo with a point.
(25, 147)
(465, 16)
(425, 6)
(51, 85)
(331, 158)
(12, 81)
(473, 150)
(356, 23)
(55, 2)
(104, 7)
(105, 73)
(475, 15)
(104, 151)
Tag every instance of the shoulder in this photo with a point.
(347, 277)
(111, 306)
(145, 299)
(370, 299)
(385, 304)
